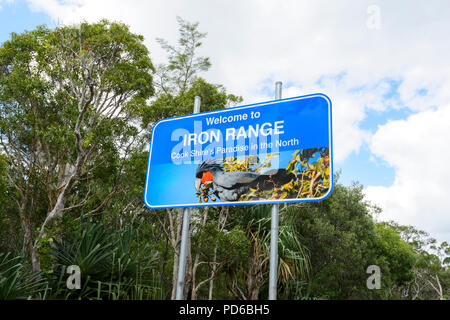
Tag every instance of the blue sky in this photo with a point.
(387, 75)
(360, 165)
(17, 17)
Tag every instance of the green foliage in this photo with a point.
(343, 241)
(184, 64)
(71, 100)
(430, 273)
(42, 70)
(17, 281)
(251, 271)
(395, 256)
(113, 264)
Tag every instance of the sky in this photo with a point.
(384, 65)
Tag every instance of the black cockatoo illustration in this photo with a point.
(229, 186)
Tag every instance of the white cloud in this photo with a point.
(418, 149)
(252, 42)
(298, 41)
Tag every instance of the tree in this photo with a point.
(343, 240)
(177, 84)
(430, 270)
(70, 99)
(184, 65)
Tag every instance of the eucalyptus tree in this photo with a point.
(70, 101)
(431, 272)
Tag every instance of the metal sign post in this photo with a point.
(273, 271)
(185, 235)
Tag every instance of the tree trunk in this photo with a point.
(196, 260)
(35, 260)
(27, 245)
(176, 261)
(23, 221)
(188, 275)
(57, 211)
(213, 271)
(252, 284)
(223, 216)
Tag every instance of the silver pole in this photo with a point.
(185, 235)
(273, 273)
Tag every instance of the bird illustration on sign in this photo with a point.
(307, 175)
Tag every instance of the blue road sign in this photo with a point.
(271, 152)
